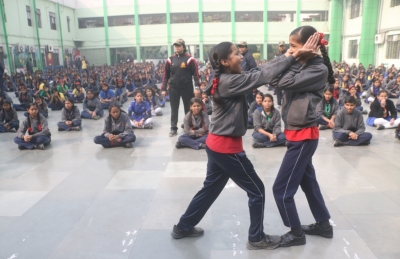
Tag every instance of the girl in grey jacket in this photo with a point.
(267, 125)
(327, 109)
(8, 118)
(226, 157)
(92, 107)
(70, 117)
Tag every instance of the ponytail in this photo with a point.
(327, 62)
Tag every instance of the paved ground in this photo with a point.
(79, 200)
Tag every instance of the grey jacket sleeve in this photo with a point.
(201, 130)
(277, 127)
(15, 117)
(22, 130)
(257, 120)
(239, 84)
(360, 124)
(128, 128)
(106, 129)
(338, 124)
(300, 80)
(77, 115)
(85, 107)
(186, 125)
(319, 109)
(64, 115)
(335, 108)
(98, 105)
(252, 108)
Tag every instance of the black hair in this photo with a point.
(272, 99)
(328, 89)
(192, 101)
(73, 105)
(382, 91)
(350, 99)
(260, 94)
(305, 32)
(113, 105)
(217, 53)
(3, 111)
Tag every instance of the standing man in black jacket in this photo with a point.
(180, 70)
(247, 64)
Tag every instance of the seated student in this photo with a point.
(8, 118)
(349, 126)
(120, 92)
(327, 109)
(358, 86)
(37, 128)
(93, 86)
(157, 94)
(57, 100)
(92, 107)
(24, 98)
(196, 125)
(117, 129)
(383, 113)
(46, 93)
(393, 87)
(267, 125)
(398, 105)
(140, 113)
(353, 92)
(42, 107)
(107, 96)
(372, 92)
(337, 91)
(345, 83)
(63, 88)
(154, 102)
(130, 87)
(257, 104)
(207, 102)
(78, 94)
(4, 96)
(70, 117)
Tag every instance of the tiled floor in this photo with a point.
(79, 200)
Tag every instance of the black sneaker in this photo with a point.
(316, 229)
(269, 243)
(337, 143)
(177, 233)
(258, 144)
(179, 145)
(364, 112)
(128, 145)
(202, 146)
(250, 126)
(323, 127)
(173, 133)
(182, 126)
(380, 127)
(289, 240)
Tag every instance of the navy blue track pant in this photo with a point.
(362, 139)
(220, 168)
(297, 170)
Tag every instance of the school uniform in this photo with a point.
(63, 90)
(121, 127)
(194, 127)
(108, 95)
(44, 95)
(253, 106)
(78, 95)
(304, 86)
(138, 111)
(131, 88)
(270, 123)
(95, 89)
(25, 100)
(326, 110)
(120, 93)
(371, 94)
(226, 157)
(39, 131)
(92, 105)
(154, 106)
(73, 115)
(11, 118)
(346, 123)
(43, 109)
(57, 104)
(393, 89)
(381, 116)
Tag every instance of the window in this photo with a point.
(355, 9)
(56, 58)
(28, 15)
(393, 47)
(52, 21)
(353, 49)
(281, 16)
(4, 11)
(216, 17)
(38, 18)
(123, 20)
(394, 3)
(249, 16)
(95, 22)
(152, 19)
(68, 24)
(184, 17)
(314, 16)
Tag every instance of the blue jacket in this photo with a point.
(139, 111)
(107, 95)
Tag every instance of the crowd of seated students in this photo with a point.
(102, 88)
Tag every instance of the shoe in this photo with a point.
(173, 133)
(323, 127)
(380, 127)
(258, 144)
(364, 112)
(202, 146)
(177, 233)
(179, 145)
(128, 145)
(250, 126)
(337, 143)
(269, 242)
(97, 117)
(79, 128)
(148, 126)
(289, 240)
(316, 229)
(41, 147)
(182, 126)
